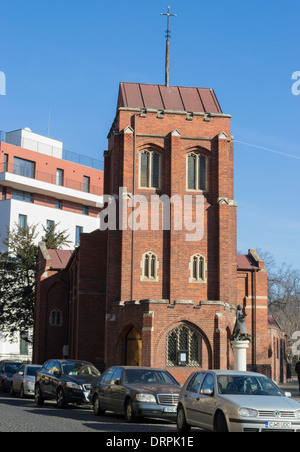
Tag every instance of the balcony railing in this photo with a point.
(50, 178)
(69, 156)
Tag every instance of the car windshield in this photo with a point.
(32, 371)
(148, 377)
(74, 369)
(12, 368)
(247, 385)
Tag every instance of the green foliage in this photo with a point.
(17, 276)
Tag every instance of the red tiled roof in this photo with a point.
(159, 97)
(246, 262)
(60, 258)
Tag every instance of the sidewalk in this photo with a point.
(293, 388)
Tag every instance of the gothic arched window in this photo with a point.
(197, 269)
(184, 339)
(197, 171)
(150, 169)
(56, 318)
(149, 266)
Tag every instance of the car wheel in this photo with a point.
(97, 407)
(38, 397)
(220, 423)
(182, 425)
(129, 413)
(22, 393)
(61, 399)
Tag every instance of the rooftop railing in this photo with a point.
(31, 173)
(36, 146)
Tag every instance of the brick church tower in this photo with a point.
(161, 284)
(166, 293)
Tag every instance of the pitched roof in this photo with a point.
(175, 98)
(246, 262)
(60, 258)
(272, 323)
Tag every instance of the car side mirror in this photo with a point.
(118, 382)
(208, 392)
(288, 394)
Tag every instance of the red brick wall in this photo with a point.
(51, 294)
(219, 242)
(87, 308)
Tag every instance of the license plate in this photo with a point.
(281, 425)
(170, 409)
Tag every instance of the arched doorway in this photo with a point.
(133, 348)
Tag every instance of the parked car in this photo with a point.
(24, 380)
(65, 381)
(7, 370)
(136, 392)
(229, 401)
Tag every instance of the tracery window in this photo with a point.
(184, 339)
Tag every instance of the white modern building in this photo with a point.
(41, 184)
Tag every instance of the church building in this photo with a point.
(159, 285)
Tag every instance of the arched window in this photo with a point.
(149, 267)
(184, 340)
(150, 169)
(197, 171)
(197, 269)
(56, 318)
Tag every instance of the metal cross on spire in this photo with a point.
(168, 35)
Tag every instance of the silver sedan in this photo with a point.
(230, 401)
(23, 381)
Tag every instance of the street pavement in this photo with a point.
(17, 415)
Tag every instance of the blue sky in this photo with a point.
(72, 54)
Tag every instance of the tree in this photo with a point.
(55, 239)
(283, 295)
(17, 281)
(17, 277)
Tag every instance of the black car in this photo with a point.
(65, 381)
(7, 370)
(136, 392)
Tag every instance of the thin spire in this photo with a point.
(168, 36)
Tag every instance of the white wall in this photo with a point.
(39, 215)
(26, 139)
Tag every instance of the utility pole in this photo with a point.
(168, 36)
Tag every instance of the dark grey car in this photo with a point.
(7, 370)
(65, 381)
(136, 392)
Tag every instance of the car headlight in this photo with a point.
(149, 398)
(248, 412)
(73, 386)
(297, 414)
